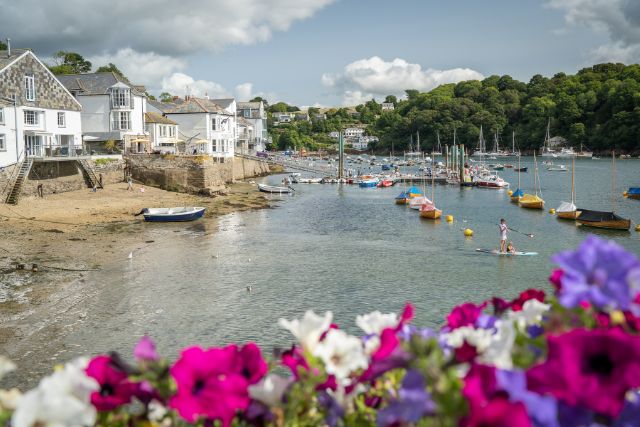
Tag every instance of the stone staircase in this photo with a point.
(88, 174)
(16, 185)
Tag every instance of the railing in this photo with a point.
(14, 173)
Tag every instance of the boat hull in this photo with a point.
(621, 224)
(568, 215)
(402, 201)
(177, 217)
(516, 199)
(274, 190)
(532, 205)
(431, 214)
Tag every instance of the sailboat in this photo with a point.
(429, 210)
(533, 201)
(513, 145)
(438, 150)
(568, 210)
(547, 151)
(496, 147)
(417, 152)
(517, 195)
(481, 151)
(604, 219)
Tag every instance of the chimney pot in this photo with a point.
(8, 48)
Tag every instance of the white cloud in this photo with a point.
(141, 68)
(618, 19)
(166, 27)
(244, 91)
(374, 77)
(180, 84)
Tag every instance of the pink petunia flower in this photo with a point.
(294, 360)
(145, 350)
(115, 388)
(210, 384)
(529, 294)
(464, 315)
(594, 369)
(253, 366)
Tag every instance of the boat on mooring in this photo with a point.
(568, 210)
(177, 214)
(274, 189)
(533, 201)
(633, 193)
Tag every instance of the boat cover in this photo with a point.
(597, 216)
(530, 198)
(566, 207)
(403, 195)
(634, 190)
(414, 190)
(518, 193)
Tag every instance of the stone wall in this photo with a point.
(60, 177)
(192, 174)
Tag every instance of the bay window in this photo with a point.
(120, 98)
(121, 120)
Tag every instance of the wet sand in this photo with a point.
(67, 235)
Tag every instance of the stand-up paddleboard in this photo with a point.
(497, 252)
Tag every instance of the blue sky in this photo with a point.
(327, 52)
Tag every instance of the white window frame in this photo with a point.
(3, 142)
(30, 87)
(121, 120)
(63, 116)
(34, 114)
(1, 115)
(120, 98)
(214, 145)
(247, 113)
(215, 125)
(163, 131)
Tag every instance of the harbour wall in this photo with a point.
(192, 174)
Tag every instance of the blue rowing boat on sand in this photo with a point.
(179, 214)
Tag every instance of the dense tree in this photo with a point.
(111, 68)
(69, 63)
(3, 45)
(166, 97)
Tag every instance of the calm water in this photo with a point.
(338, 248)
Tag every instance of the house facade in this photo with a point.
(112, 109)
(353, 132)
(256, 115)
(388, 106)
(39, 117)
(245, 143)
(163, 132)
(207, 126)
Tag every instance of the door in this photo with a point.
(33, 145)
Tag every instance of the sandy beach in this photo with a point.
(69, 234)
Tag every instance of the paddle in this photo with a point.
(518, 231)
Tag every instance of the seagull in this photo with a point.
(249, 288)
(130, 255)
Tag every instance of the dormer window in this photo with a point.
(120, 98)
(30, 88)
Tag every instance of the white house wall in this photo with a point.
(9, 156)
(95, 113)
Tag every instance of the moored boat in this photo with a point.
(633, 193)
(557, 168)
(601, 219)
(274, 189)
(368, 183)
(416, 202)
(429, 210)
(524, 169)
(568, 210)
(177, 214)
(517, 195)
(492, 181)
(386, 183)
(533, 201)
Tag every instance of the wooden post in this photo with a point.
(461, 163)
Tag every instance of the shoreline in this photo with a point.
(69, 236)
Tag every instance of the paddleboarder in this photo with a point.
(503, 235)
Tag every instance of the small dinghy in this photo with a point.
(188, 213)
(274, 189)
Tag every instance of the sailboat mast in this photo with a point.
(613, 180)
(573, 188)
(418, 143)
(513, 142)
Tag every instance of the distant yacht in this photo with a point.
(548, 151)
(481, 150)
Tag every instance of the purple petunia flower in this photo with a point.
(598, 272)
(145, 350)
(334, 411)
(413, 403)
(542, 409)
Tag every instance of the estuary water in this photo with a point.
(331, 247)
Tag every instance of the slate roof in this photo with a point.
(6, 60)
(191, 105)
(252, 105)
(244, 122)
(96, 83)
(152, 117)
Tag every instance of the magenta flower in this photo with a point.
(407, 314)
(598, 272)
(294, 360)
(145, 350)
(594, 369)
(388, 356)
(499, 412)
(464, 315)
(537, 294)
(115, 388)
(253, 365)
(210, 384)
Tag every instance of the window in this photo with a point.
(163, 131)
(214, 145)
(3, 142)
(1, 116)
(120, 98)
(30, 88)
(214, 123)
(121, 120)
(172, 131)
(62, 122)
(30, 117)
(247, 113)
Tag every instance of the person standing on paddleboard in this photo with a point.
(503, 235)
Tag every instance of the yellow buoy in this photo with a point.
(449, 218)
(625, 194)
(510, 193)
(638, 228)
(552, 211)
(468, 232)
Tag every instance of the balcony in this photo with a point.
(43, 148)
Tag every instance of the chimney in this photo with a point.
(206, 95)
(8, 48)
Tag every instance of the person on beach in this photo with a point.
(130, 184)
(503, 235)
(142, 190)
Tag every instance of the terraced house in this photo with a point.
(39, 119)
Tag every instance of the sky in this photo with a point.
(326, 52)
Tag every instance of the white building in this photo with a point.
(388, 106)
(353, 132)
(208, 126)
(334, 135)
(279, 118)
(255, 114)
(163, 132)
(39, 118)
(245, 142)
(112, 109)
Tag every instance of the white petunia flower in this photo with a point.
(498, 353)
(479, 338)
(61, 400)
(9, 399)
(157, 411)
(308, 330)
(341, 353)
(531, 313)
(6, 366)
(269, 390)
(375, 322)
